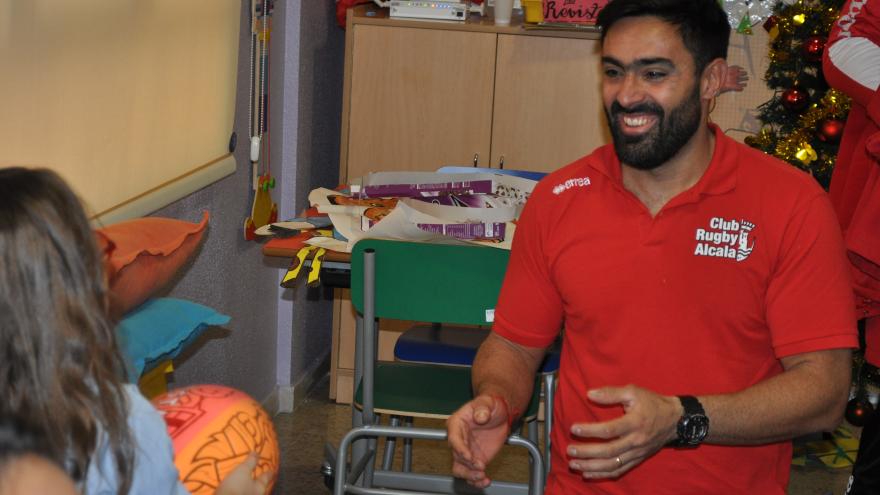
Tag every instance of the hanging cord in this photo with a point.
(267, 158)
(264, 86)
(264, 43)
(253, 144)
(250, 108)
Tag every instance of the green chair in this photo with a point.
(450, 284)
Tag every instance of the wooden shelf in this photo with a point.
(373, 14)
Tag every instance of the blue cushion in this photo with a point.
(160, 329)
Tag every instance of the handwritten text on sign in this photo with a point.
(577, 11)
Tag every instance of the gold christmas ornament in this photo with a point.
(806, 154)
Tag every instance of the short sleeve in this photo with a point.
(529, 310)
(154, 470)
(810, 296)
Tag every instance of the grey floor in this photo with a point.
(303, 433)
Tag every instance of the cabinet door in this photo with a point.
(420, 98)
(548, 105)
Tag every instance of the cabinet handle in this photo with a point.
(476, 159)
(501, 162)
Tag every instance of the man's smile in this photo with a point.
(637, 123)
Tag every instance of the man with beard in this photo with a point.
(702, 287)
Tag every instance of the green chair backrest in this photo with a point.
(441, 283)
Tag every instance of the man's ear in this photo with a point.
(713, 79)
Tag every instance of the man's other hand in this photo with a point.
(476, 432)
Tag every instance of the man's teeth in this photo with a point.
(635, 121)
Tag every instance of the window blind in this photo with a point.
(131, 101)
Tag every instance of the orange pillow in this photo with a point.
(144, 255)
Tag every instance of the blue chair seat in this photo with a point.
(451, 346)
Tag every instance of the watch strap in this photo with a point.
(691, 405)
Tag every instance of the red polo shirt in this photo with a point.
(742, 269)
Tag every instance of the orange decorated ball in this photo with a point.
(213, 429)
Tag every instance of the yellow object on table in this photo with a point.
(534, 10)
(154, 382)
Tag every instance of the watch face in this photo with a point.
(694, 428)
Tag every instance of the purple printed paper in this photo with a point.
(427, 190)
(467, 231)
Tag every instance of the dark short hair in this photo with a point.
(702, 24)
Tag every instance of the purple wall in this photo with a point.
(277, 338)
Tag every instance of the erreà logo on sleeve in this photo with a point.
(723, 238)
(570, 183)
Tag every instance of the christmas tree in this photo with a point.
(803, 122)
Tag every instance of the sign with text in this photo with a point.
(573, 11)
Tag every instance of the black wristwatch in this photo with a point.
(693, 426)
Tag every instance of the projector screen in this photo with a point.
(131, 101)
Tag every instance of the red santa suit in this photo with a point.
(852, 64)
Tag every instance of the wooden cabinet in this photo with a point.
(420, 95)
(548, 109)
(419, 98)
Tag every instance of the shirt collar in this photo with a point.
(719, 177)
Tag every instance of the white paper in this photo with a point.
(422, 212)
(329, 243)
(400, 222)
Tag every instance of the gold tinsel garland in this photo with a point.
(796, 146)
(834, 105)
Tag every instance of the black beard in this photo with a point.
(654, 148)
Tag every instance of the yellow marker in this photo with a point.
(316, 266)
(296, 266)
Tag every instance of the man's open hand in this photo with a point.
(647, 425)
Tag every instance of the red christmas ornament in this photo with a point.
(771, 22)
(795, 99)
(858, 412)
(813, 47)
(830, 130)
